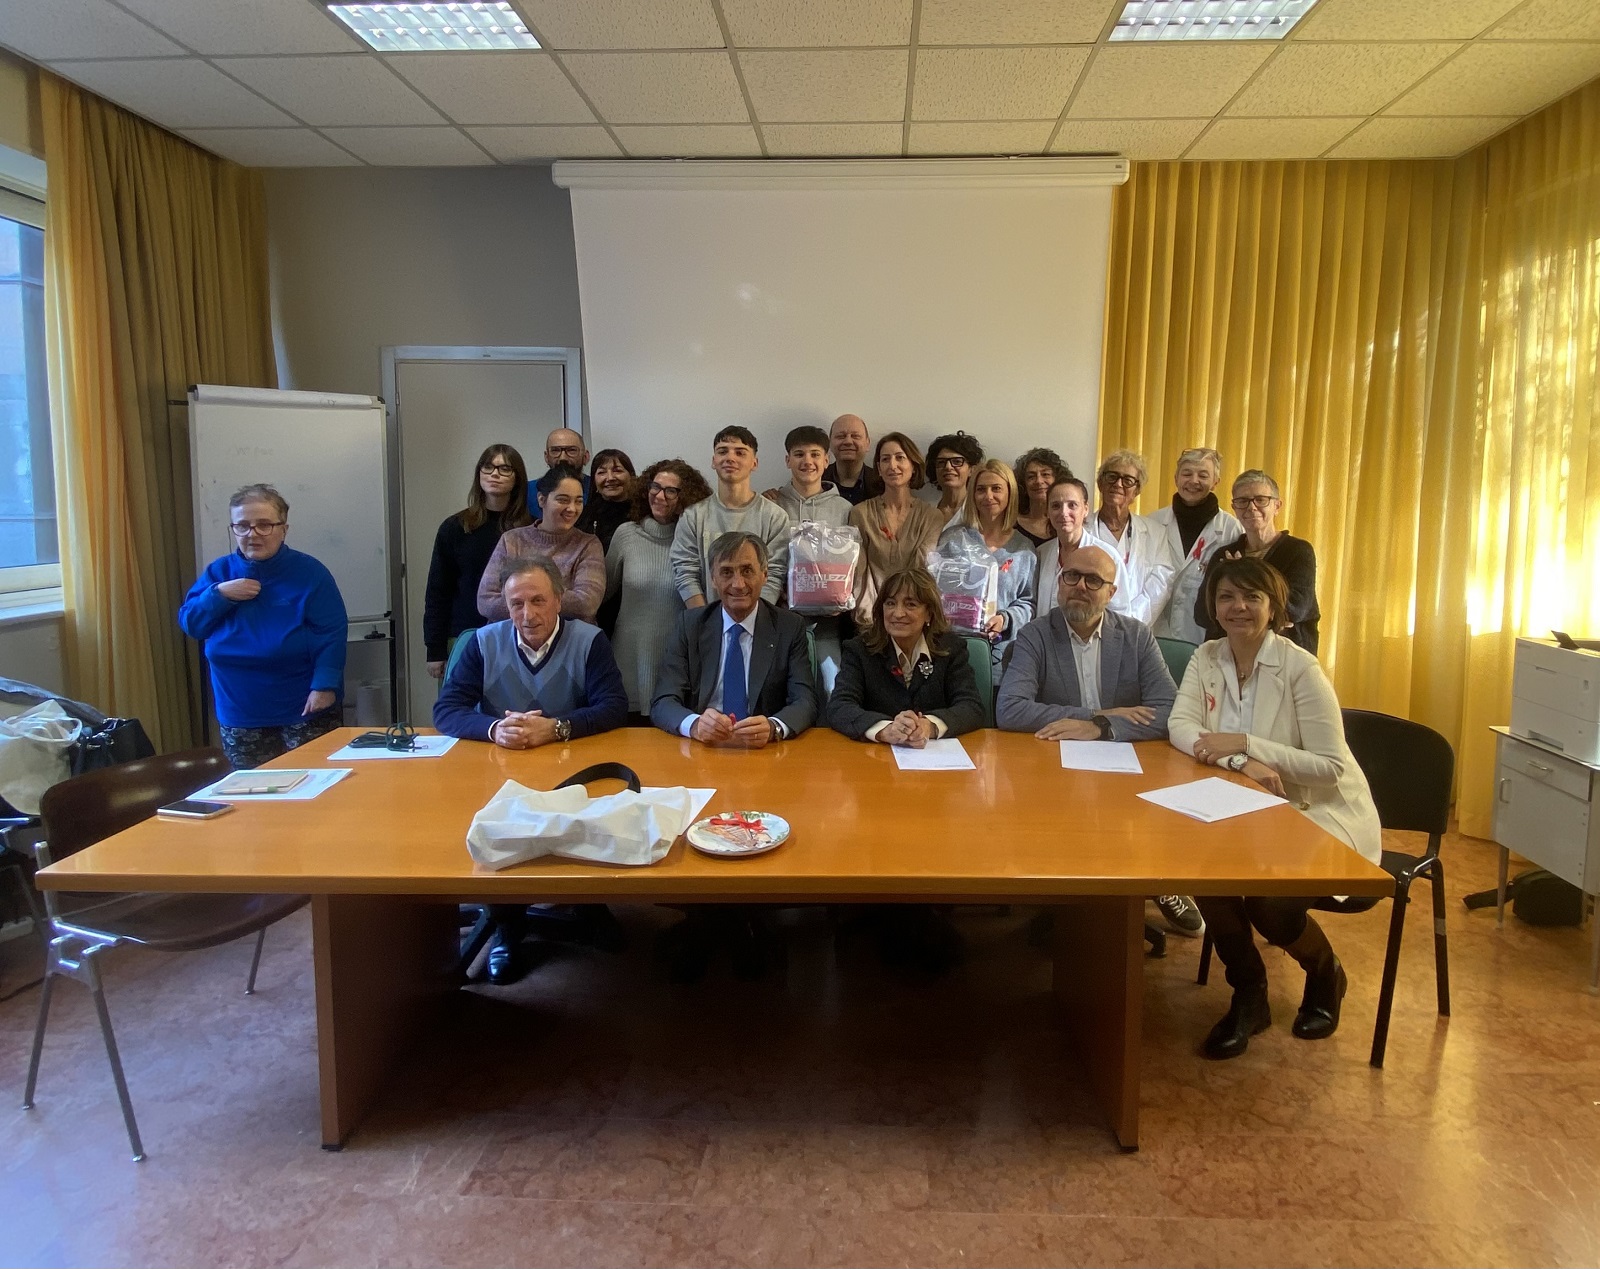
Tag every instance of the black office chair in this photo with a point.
(83, 927)
(1409, 769)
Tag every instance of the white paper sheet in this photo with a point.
(425, 747)
(316, 781)
(698, 798)
(1212, 799)
(937, 755)
(1100, 755)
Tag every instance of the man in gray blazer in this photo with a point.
(736, 673)
(1129, 692)
(1082, 673)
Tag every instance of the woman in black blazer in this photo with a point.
(1256, 503)
(907, 680)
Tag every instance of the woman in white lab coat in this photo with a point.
(1145, 566)
(1255, 703)
(1195, 526)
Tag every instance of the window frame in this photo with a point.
(28, 585)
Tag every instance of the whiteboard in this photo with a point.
(327, 454)
(923, 296)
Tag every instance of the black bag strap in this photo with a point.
(603, 771)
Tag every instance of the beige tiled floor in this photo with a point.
(596, 1116)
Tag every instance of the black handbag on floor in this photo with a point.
(116, 740)
(1538, 897)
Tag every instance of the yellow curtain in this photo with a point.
(1410, 348)
(155, 278)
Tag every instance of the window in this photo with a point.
(29, 551)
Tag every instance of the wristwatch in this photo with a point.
(1236, 761)
(1104, 724)
(563, 729)
(777, 732)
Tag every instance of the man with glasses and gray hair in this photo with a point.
(1082, 672)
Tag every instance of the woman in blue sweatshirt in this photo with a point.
(272, 625)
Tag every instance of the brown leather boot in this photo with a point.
(1325, 984)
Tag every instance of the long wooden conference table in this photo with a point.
(383, 855)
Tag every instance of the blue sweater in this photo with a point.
(269, 653)
(461, 710)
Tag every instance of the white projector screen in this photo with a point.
(925, 296)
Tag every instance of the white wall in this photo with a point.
(30, 650)
(925, 296)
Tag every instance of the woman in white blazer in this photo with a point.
(1145, 565)
(1196, 526)
(1255, 703)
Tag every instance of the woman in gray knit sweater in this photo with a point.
(639, 571)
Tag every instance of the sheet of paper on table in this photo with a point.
(938, 755)
(315, 782)
(422, 747)
(1212, 799)
(1100, 755)
(697, 801)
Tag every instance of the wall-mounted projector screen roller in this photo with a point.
(925, 296)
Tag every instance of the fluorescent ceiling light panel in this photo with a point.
(436, 28)
(1209, 19)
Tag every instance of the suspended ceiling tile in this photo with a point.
(410, 147)
(727, 141)
(1490, 78)
(856, 85)
(48, 30)
(994, 83)
(980, 138)
(1155, 81)
(1551, 19)
(176, 93)
(1148, 139)
(1014, 21)
(831, 140)
(1337, 79)
(1401, 19)
(660, 88)
(494, 88)
(814, 23)
(530, 145)
(272, 147)
(248, 26)
(345, 90)
(623, 24)
(1389, 137)
(1270, 138)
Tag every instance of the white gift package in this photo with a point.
(627, 828)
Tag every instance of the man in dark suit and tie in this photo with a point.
(736, 673)
(1082, 673)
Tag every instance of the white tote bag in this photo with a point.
(633, 828)
(35, 752)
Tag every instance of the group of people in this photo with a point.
(590, 600)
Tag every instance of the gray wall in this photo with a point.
(366, 257)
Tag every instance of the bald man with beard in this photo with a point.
(1081, 672)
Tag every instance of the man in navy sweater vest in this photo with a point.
(532, 680)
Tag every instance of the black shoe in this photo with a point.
(1181, 914)
(1248, 1015)
(1319, 1007)
(506, 963)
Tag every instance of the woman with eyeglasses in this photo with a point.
(639, 576)
(1145, 567)
(577, 554)
(1254, 703)
(1196, 527)
(1256, 503)
(272, 626)
(610, 504)
(951, 461)
(497, 501)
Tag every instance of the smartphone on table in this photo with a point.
(194, 809)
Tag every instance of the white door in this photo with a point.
(449, 412)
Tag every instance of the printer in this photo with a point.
(1555, 696)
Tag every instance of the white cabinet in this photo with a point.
(1547, 809)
